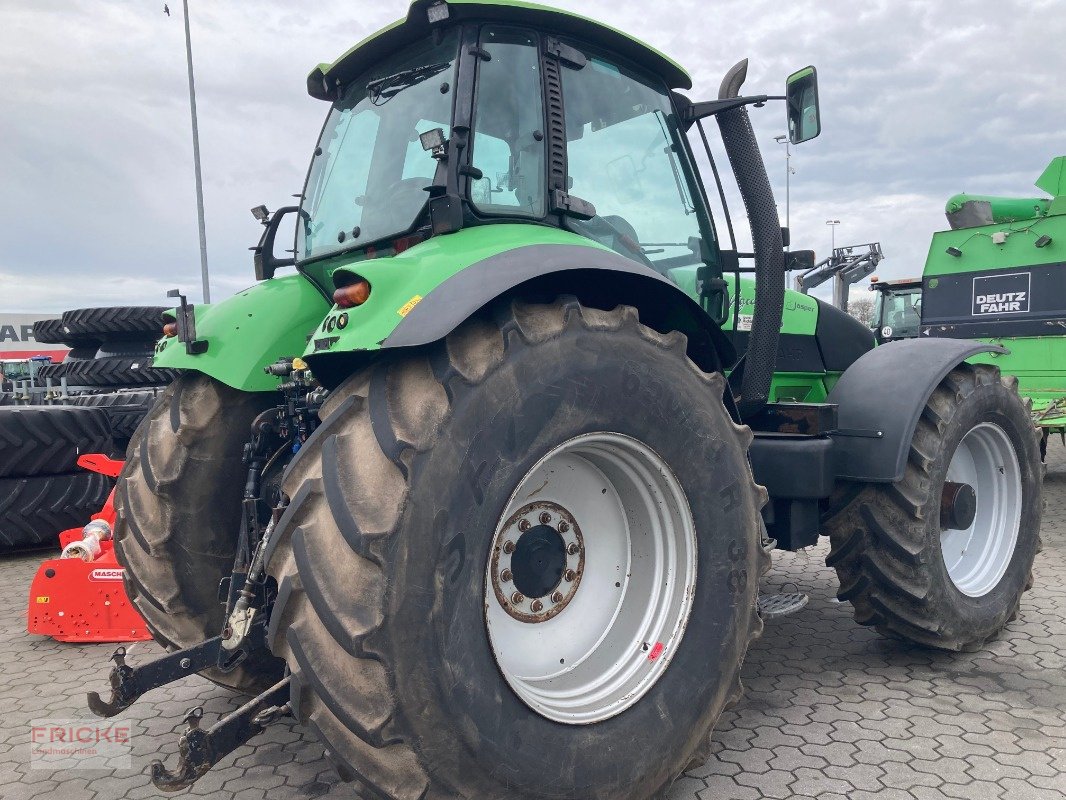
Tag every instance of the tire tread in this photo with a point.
(878, 544)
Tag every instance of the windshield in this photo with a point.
(901, 313)
(369, 174)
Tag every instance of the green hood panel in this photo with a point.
(249, 331)
(799, 316)
(981, 252)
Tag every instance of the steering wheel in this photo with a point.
(399, 204)
(622, 235)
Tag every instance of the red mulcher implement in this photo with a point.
(79, 597)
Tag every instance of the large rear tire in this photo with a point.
(913, 575)
(113, 371)
(398, 612)
(125, 409)
(35, 510)
(179, 513)
(114, 322)
(47, 440)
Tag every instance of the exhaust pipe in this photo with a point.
(768, 245)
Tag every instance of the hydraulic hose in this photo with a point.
(767, 244)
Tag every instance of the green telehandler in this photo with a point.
(483, 490)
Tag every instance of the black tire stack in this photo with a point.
(110, 361)
(42, 490)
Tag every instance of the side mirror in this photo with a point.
(799, 259)
(263, 253)
(801, 96)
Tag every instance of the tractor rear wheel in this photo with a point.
(179, 513)
(526, 556)
(942, 557)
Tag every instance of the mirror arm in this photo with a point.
(710, 108)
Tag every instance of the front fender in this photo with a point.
(880, 398)
(248, 331)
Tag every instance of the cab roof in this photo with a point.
(898, 283)
(325, 77)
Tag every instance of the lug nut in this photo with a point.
(557, 597)
(506, 576)
(564, 527)
(508, 547)
(537, 606)
(545, 518)
(523, 525)
(573, 548)
(517, 598)
(570, 575)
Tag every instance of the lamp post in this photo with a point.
(782, 139)
(832, 223)
(196, 159)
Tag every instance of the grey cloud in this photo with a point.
(921, 100)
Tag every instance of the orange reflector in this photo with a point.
(170, 329)
(354, 294)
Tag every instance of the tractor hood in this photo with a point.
(324, 79)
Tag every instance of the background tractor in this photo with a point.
(898, 309)
(483, 491)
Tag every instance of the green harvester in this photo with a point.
(998, 276)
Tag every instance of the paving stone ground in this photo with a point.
(832, 710)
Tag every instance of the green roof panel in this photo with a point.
(325, 77)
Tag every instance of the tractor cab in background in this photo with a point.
(897, 309)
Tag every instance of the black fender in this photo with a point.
(880, 397)
(598, 278)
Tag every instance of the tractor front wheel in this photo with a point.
(942, 557)
(521, 564)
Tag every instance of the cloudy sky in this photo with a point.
(919, 100)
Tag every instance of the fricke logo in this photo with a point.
(1001, 294)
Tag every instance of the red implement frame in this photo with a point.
(81, 601)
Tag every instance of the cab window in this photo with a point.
(508, 144)
(624, 157)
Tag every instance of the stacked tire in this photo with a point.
(42, 490)
(109, 365)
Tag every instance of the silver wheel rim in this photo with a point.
(607, 514)
(978, 557)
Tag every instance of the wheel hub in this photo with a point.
(582, 626)
(958, 506)
(981, 509)
(537, 562)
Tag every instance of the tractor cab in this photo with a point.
(500, 120)
(501, 125)
(897, 310)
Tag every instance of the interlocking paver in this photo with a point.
(833, 710)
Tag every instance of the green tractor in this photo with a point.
(996, 276)
(482, 492)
